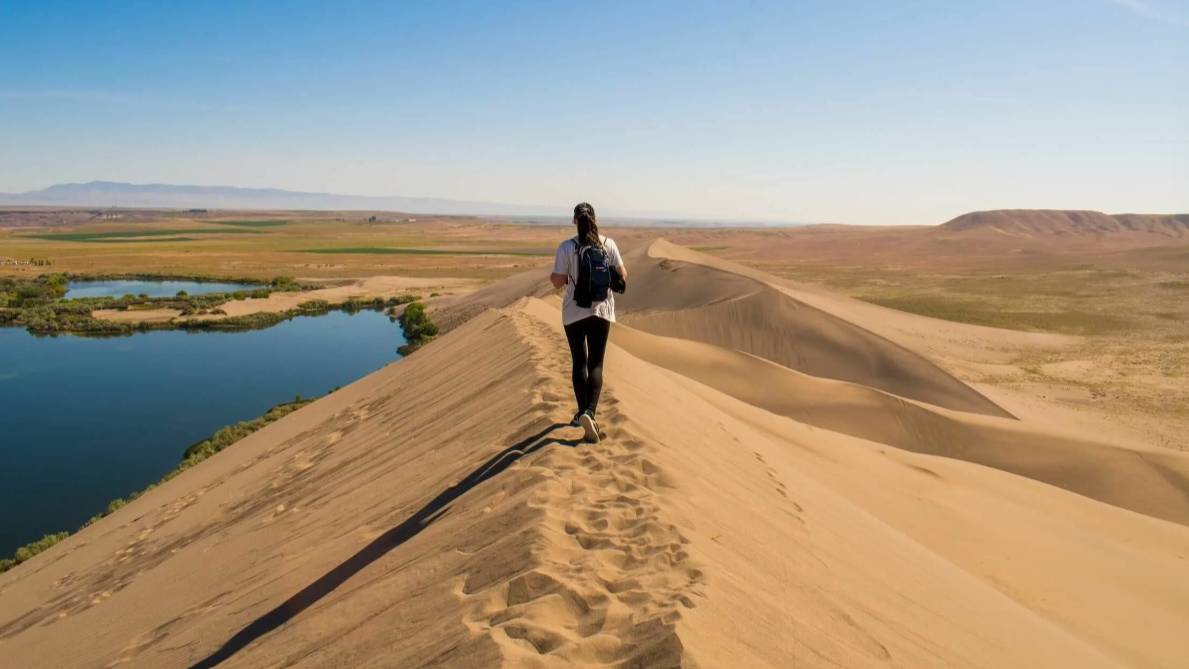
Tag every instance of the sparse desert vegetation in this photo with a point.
(418, 327)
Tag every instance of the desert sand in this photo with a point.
(790, 479)
(364, 289)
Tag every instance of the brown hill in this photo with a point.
(1050, 222)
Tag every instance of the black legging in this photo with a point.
(588, 343)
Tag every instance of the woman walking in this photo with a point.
(591, 269)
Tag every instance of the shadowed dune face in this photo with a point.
(688, 301)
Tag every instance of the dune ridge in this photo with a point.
(749, 508)
(710, 303)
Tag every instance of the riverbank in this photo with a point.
(39, 305)
(345, 291)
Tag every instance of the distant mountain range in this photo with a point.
(117, 194)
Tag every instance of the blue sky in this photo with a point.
(860, 112)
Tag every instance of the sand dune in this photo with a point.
(1152, 481)
(780, 487)
(929, 337)
(705, 303)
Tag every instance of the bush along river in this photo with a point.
(44, 305)
(89, 420)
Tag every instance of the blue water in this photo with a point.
(84, 421)
(122, 287)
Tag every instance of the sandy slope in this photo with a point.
(958, 344)
(1152, 481)
(753, 506)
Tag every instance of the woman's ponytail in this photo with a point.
(588, 225)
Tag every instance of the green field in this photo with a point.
(339, 244)
(254, 224)
(136, 235)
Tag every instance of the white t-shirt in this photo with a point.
(566, 262)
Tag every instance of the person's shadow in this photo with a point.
(391, 539)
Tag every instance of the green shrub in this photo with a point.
(256, 321)
(30, 549)
(419, 329)
(230, 434)
(18, 293)
(312, 308)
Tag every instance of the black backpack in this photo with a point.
(594, 274)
